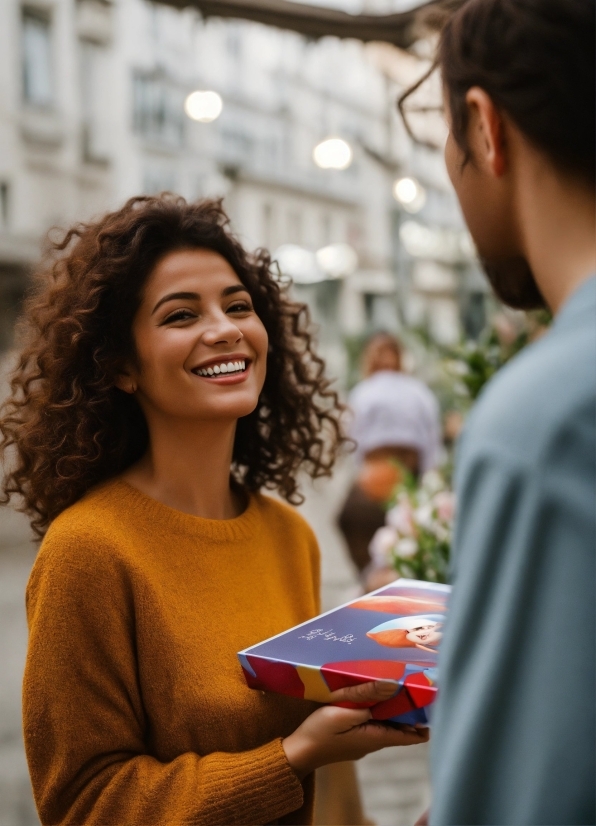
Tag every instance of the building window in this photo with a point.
(294, 227)
(267, 226)
(95, 101)
(237, 147)
(325, 229)
(4, 205)
(157, 180)
(37, 58)
(158, 109)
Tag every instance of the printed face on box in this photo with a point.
(422, 632)
(429, 634)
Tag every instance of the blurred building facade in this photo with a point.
(92, 112)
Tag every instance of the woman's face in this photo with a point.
(201, 348)
(429, 634)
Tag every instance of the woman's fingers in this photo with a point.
(388, 735)
(418, 735)
(373, 692)
(345, 719)
(359, 721)
(333, 734)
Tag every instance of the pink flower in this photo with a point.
(382, 544)
(401, 518)
(444, 503)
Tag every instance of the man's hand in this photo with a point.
(332, 734)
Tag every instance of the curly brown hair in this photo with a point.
(71, 428)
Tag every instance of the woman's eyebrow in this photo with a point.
(235, 288)
(172, 296)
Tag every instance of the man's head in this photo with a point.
(518, 75)
(381, 352)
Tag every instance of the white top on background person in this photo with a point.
(392, 409)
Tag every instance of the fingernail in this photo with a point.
(387, 685)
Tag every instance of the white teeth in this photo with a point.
(226, 367)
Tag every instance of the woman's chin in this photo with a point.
(226, 409)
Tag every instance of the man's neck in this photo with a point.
(557, 220)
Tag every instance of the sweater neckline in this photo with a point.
(238, 527)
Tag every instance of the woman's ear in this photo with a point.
(125, 382)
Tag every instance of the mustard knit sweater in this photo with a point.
(136, 711)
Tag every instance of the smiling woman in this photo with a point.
(67, 415)
(165, 379)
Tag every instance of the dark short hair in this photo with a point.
(71, 428)
(535, 58)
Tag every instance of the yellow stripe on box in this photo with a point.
(315, 687)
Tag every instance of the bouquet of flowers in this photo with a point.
(416, 539)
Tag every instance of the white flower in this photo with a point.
(423, 516)
(432, 481)
(406, 547)
(441, 532)
(401, 518)
(382, 544)
(423, 496)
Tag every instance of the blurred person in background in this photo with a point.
(164, 380)
(514, 729)
(395, 419)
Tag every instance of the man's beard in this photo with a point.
(514, 283)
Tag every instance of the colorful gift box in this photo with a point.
(392, 633)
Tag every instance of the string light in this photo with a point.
(333, 153)
(203, 106)
(410, 194)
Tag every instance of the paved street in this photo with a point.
(16, 557)
(394, 783)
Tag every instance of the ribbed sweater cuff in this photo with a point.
(260, 786)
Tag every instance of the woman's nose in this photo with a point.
(221, 329)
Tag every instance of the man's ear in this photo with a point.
(486, 132)
(125, 382)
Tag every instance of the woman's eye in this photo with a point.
(240, 307)
(178, 315)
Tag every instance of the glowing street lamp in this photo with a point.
(337, 260)
(333, 153)
(203, 106)
(410, 194)
(299, 264)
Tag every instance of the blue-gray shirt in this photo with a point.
(514, 730)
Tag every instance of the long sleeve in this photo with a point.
(514, 731)
(87, 732)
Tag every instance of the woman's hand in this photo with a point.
(332, 734)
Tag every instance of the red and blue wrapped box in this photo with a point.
(392, 633)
